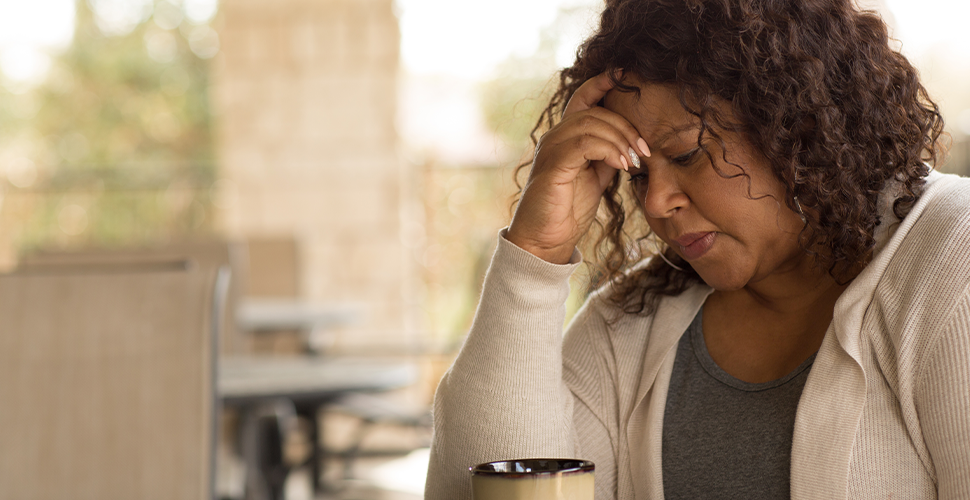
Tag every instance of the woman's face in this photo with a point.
(734, 229)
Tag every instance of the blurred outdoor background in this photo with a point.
(361, 151)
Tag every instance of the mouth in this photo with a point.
(695, 245)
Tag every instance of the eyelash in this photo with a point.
(685, 158)
(682, 160)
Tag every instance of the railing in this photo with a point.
(107, 207)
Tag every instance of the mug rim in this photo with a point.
(489, 468)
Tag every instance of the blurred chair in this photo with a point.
(107, 380)
(371, 410)
(271, 274)
(273, 316)
(209, 255)
(272, 267)
(281, 322)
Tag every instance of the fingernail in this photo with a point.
(642, 144)
(633, 157)
(625, 166)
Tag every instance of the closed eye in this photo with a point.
(685, 158)
(639, 176)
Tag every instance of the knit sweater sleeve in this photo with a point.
(943, 403)
(504, 396)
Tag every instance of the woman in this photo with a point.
(804, 332)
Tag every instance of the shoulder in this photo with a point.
(603, 323)
(940, 217)
(614, 304)
(604, 303)
(606, 351)
(596, 320)
(947, 201)
(938, 237)
(926, 271)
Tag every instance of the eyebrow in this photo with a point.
(674, 131)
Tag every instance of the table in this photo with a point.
(258, 386)
(315, 319)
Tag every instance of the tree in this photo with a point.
(512, 102)
(121, 142)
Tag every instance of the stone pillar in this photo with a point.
(305, 94)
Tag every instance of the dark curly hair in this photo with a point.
(815, 87)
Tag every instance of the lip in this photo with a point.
(695, 245)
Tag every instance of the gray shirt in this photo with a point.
(723, 437)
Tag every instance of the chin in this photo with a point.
(723, 281)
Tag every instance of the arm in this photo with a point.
(589, 370)
(504, 396)
(943, 404)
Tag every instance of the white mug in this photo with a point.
(533, 479)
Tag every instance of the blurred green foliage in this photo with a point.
(115, 146)
(511, 104)
(108, 101)
(512, 101)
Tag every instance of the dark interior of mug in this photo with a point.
(534, 466)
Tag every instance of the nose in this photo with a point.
(664, 195)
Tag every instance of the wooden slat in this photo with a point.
(106, 384)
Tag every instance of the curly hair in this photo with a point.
(813, 85)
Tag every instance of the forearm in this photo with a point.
(504, 396)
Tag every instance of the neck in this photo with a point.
(766, 329)
(804, 288)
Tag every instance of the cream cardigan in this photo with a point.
(885, 412)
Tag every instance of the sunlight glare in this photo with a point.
(468, 39)
(28, 32)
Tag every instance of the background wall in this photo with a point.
(305, 92)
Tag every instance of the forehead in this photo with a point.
(656, 113)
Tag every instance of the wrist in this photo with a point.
(559, 255)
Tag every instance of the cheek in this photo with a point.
(756, 225)
(656, 227)
(745, 205)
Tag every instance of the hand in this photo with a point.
(574, 163)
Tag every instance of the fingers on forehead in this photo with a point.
(590, 92)
(603, 82)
